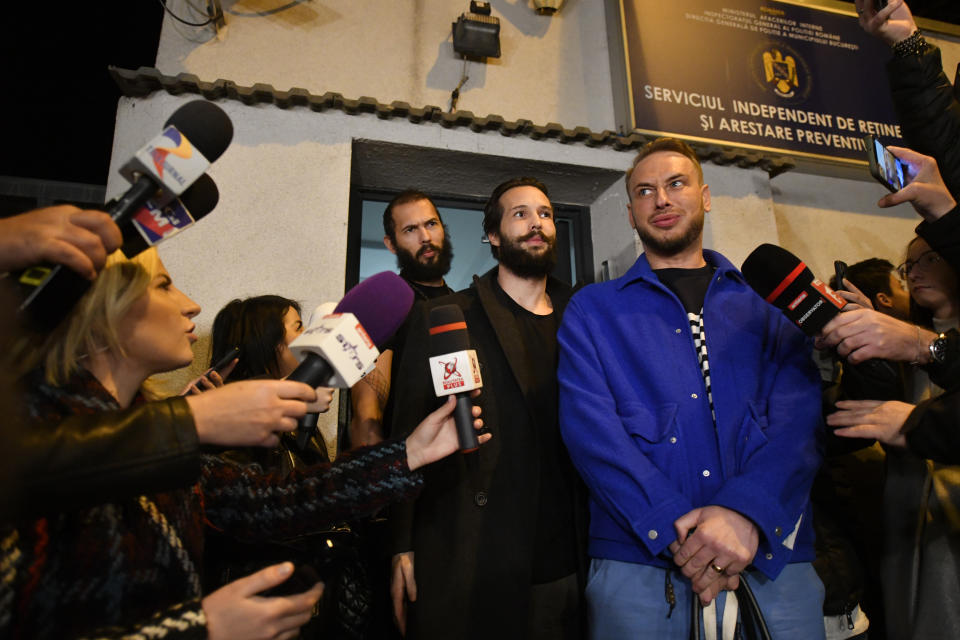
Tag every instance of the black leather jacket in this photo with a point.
(90, 459)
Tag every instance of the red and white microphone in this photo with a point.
(454, 368)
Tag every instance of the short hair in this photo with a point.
(404, 197)
(493, 211)
(94, 323)
(871, 276)
(256, 326)
(665, 144)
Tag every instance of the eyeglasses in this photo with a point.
(926, 260)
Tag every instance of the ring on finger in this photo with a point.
(717, 568)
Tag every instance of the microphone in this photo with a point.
(783, 280)
(194, 136)
(454, 368)
(153, 224)
(340, 348)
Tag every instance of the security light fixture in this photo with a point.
(477, 34)
(547, 7)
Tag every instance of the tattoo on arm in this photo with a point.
(380, 385)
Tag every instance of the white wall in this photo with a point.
(550, 70)
(285, 181)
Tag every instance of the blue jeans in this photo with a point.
(626, 600)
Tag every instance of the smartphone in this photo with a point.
(224, 361)
(889, 170)
(840, 272)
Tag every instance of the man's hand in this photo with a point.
(403, 588)
(893, 24)
(863, 334)
(436, 436)
(78, 239)
(236, 612)
(723, 539)
(871, 419)
(249, 412)
(925, 191)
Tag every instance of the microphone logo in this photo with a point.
(180, 148)
(452, 378)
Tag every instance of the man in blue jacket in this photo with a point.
(691, 408)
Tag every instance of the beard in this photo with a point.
(671, 246)
(411, 266)
(524, 263)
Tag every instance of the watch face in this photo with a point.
(938, 348)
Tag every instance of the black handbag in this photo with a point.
(752, 626)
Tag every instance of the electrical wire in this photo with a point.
(179, 19)
(455, 94)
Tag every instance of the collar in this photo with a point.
(641, 270)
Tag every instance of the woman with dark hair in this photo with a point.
(131, 567)
(920, 569)
(262, 327)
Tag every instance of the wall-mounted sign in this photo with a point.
(760, 74)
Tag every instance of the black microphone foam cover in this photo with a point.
(448, 330)
(201, 197)
(381, 304)
(205, 125)
(766, 266)
(784, 281)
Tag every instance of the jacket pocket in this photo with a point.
(646, 426)
(751, 437)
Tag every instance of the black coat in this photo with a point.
(472, 528)
(928, 110)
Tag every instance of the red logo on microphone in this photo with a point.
(452, 378)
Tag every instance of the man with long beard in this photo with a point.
(414, 232)
(691, 408)
(492, 548)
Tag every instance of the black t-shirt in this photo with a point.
(690, 285)
(555, 539)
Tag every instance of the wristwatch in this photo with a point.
(938, 349)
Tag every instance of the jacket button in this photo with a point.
(652, 534)
(769, 556)
(778, 532)
(480, 499)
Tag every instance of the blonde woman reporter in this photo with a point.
(131, 565)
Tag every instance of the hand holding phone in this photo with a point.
(840, 272)
(888, 169)
(207, 381)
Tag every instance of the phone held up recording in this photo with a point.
(889, 170)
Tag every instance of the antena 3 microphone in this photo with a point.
(454, 368)
(195, 135)
(784, 281)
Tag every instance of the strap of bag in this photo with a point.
(752, 627)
